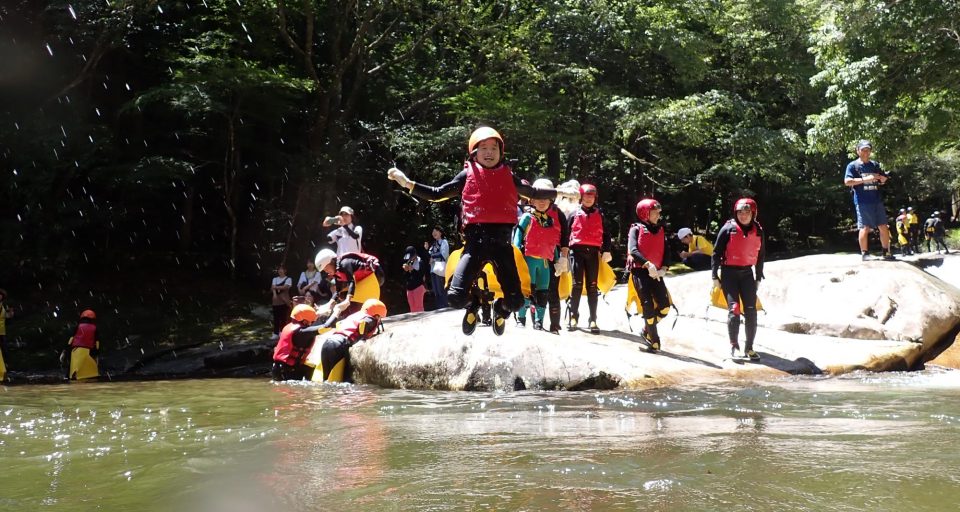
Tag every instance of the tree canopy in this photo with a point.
(215, 135)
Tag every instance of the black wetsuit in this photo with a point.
(553, 292)
(654, 299)
(739, 283)
(586, 267)
(483, 242)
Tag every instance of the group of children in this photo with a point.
(908, 232)
(553, 243)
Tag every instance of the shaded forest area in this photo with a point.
(160, 158)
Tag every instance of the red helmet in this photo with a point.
(746, 203)
(644, 207)
(588, 189)
(88, 313)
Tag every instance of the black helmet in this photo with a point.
(936, 214)
(903, 210)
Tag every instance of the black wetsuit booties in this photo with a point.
(737, 251)
(647, 242)
(489, 199)
(587, 240)
(336, 348)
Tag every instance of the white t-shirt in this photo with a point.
(283, 297)
(305, 279)
(344, 242)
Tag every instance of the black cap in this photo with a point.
(409, 253)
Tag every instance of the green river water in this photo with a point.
(859, 442)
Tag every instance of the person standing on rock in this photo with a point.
(865, 177)
(538, 238)
(348, 237)
(589, 242)
(740, 248)
(647, 246)
(439, 250)
(936, 230)
(489, 192)
(913, 230)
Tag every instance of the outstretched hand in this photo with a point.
(397, 175)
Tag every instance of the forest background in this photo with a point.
(161, 158)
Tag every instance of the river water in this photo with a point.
(858, 442)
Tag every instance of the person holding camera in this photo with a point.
(864, 177)
(415, 268)
(347, 236)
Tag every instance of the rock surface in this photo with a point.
(828, 313)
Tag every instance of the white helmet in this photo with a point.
(683, 233)
(324, 258)
(543, 183)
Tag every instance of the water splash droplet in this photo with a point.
(49, 50)
(73, 14)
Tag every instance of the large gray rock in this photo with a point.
(830, 313)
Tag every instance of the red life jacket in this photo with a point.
(286, 352)
(350, 327)
(371, 262)
(86, 336)
(742, 248)
(542, 242)
(651, 245)
(489, 196)
(586, 228)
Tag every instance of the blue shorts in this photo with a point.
(871, 215)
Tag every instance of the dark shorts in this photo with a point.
(871, 215)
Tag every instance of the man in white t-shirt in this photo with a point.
(347, 237)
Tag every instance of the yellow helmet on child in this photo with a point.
(374, 307)
(481, 134)
(304, 313)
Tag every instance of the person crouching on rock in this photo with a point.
(489, 193)
(538, 238)
(335, 351)
(348, 270)
(295, 341)
(740, 248)
(646, 243)
(590, 243)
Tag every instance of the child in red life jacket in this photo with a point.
(489, 193)
(295, 341)
(587, 240)
(348, 270)
(335, 351)
(740, 248)
(538, 237)
(84, 348)
(649, 257)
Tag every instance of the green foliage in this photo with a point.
(217, 132)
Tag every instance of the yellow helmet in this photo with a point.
(374, 307)
(304, 313)
(481, 134)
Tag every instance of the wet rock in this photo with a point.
(830, 313)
